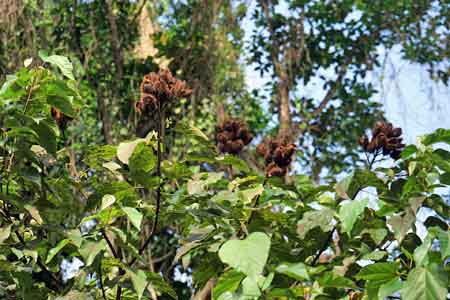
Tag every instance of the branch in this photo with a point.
(110, 245)
(331, 92)
(158, 190)
(324, 247)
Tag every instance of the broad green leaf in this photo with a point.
(317, 218)
(248, 256)
(200, 182)
(234, 161)
(141, 163)
(107, 201)
(349, 212)
(90, 249)
(253, 286)
(297, 271)
(444, 241)
(125, 150)
(5, 232)
(329, 279)
(439, 136)
(228, 282)
(54, 251)
(421, 252)
(379, 273)
(61, 62)
(375, 255)
(46, 136)
(139, 281)
(249, 195)
(426, 283)
(389, 288)
(402, 223)
(63, 104)
(134, 216)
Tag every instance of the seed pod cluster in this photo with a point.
(277, 154)
(60, 118)
(232, 135)
(159, 89)
(386, 138)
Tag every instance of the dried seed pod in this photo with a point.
(159, 89)
(277, 154)
(234, 134)
(385, 137)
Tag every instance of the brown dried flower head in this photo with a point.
(232, 135)
(159, 89)
(60, 118)
(277, 154)
(385, 138)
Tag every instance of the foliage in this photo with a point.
(243, 235)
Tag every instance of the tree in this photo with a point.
(244, 236)
(306, 43)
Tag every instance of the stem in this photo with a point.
(117, 256)
(252, 214)
(324, 247)
(101, 281)
(158, 190)
(330, 236)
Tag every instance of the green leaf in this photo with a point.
(318, 218)
(379, 273)
(107, 201)
(52, 253)
(389, 288)
(249, 194)
(421, 252)
(253, 286)
(46, 136)
(5, 232)
(439, 136)
(426, 283)
(408, 151)
(228, 282)
(248, 256)
(349, 212)
(141, 163)
(134, 215)
(63, 104)
(199, 183)
(329, 279)
(125, 150)
(34, 212)
(139, 281)
(160, 285)
(297, 271)
(61, 62)
(444, 241)
(90, 249)
(234, 161)
(402, 223)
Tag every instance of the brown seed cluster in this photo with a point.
(278, 155)
(60, 118)
(385, 138)
(159, 89)
(232, 135)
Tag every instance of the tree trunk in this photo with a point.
(284, 111)
(114, 39)
(104, 117)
